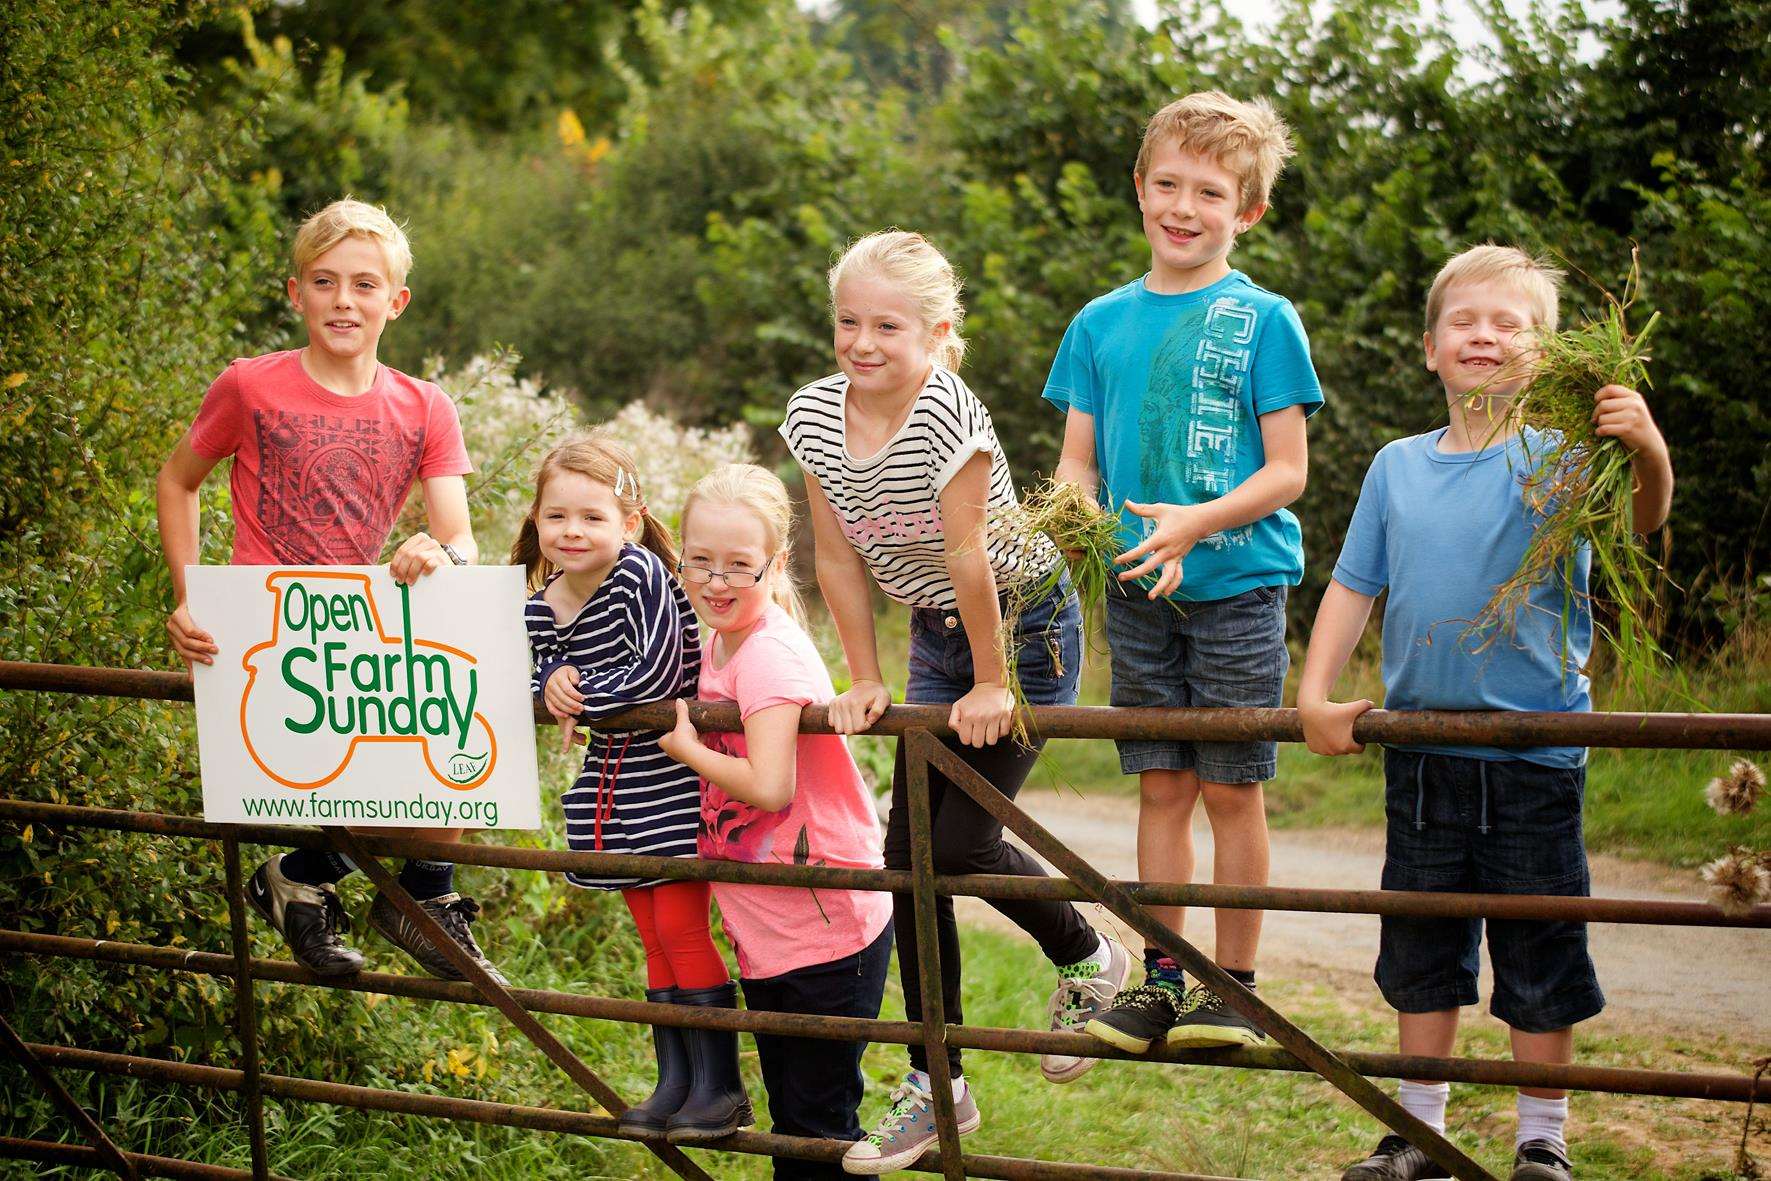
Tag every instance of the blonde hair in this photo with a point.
(911, 262)
(747, 486)
(348, 218)
(1534, 278)
(596, 457)
(1248, 138)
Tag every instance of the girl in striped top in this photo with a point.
(902, 468)
(609, 628)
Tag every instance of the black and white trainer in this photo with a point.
(1394, 1159)
(308, 917)
(455, 913)
(1538, 1160)
(1207, 1023)
(1139, 1016)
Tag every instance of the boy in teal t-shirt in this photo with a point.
(1185, 393)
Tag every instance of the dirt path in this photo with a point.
(1665, 978)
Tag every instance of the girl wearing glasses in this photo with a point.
(609, 628)
(775, 795)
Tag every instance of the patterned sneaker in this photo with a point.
(1084, 992)
(908, 1129)
(1394, 1159)
(1140, 1016)
(1208, 1022)
(308, 917)
(1538, 1160)
(454, 912)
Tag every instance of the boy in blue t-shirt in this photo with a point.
(1441, 523)
(1185, 393)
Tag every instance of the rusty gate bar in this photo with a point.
(57, 1153)
(499, 997)
(1655, 912)
(1269, 1020)
(1686, 731)
(110, 1156)
(244, 1009)
(1478, 1071)
(928, 956)
(550, 1119)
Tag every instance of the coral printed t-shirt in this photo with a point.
(319, 478)
(831, 821)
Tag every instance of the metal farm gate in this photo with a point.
(919, 727)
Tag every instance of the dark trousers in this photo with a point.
(814, 1084)
(968, 839)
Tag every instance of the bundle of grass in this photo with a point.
(1580, 485)
(1739, 880)
(1737, 792)
(1086, 534)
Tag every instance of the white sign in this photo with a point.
(341, 697)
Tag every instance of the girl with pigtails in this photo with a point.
(609, 628)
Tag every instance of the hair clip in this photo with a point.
(626, 483)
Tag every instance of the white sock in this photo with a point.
(1425, 1102)
(1103, 954)
(1542, 1119)
(921, 1078)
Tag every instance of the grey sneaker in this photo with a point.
(454, 912)
(907, 1131)
(1084, 992)
(1538, 1160)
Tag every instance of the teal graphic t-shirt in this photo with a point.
(1177, 385)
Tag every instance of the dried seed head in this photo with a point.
(1737, 792)
(1737, 881)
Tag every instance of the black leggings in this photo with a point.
(968, 839)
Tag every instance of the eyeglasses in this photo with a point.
(736, 579)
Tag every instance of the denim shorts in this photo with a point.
(1224, 652)
(1492, 827)
(1048, 653)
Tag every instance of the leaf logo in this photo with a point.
(467, 768)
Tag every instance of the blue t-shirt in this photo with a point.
(1176, 385)
(1442, 530)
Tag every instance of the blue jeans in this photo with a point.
(815, 1084)
(1225, 652)
(968, 839)
(1491, 826)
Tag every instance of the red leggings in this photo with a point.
(672, 918)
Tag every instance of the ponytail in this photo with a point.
(656, 537)
(526, 552)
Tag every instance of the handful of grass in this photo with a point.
(1580, 485)
(1088, 536)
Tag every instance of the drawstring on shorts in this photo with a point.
(1420, 796)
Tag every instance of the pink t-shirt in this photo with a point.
(319, 478)
(831, 820)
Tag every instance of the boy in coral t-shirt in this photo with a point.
(327, 443)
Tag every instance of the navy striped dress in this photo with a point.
(634, 641)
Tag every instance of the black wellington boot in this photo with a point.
(717, 1105)
(650, 1114)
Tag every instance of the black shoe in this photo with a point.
(1139, 1016)
(716, 1105)
(1394, 1159)
(1207, 1022)
(308, 917)
(672, 1052)
(1536, 1160)
(454, 912)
